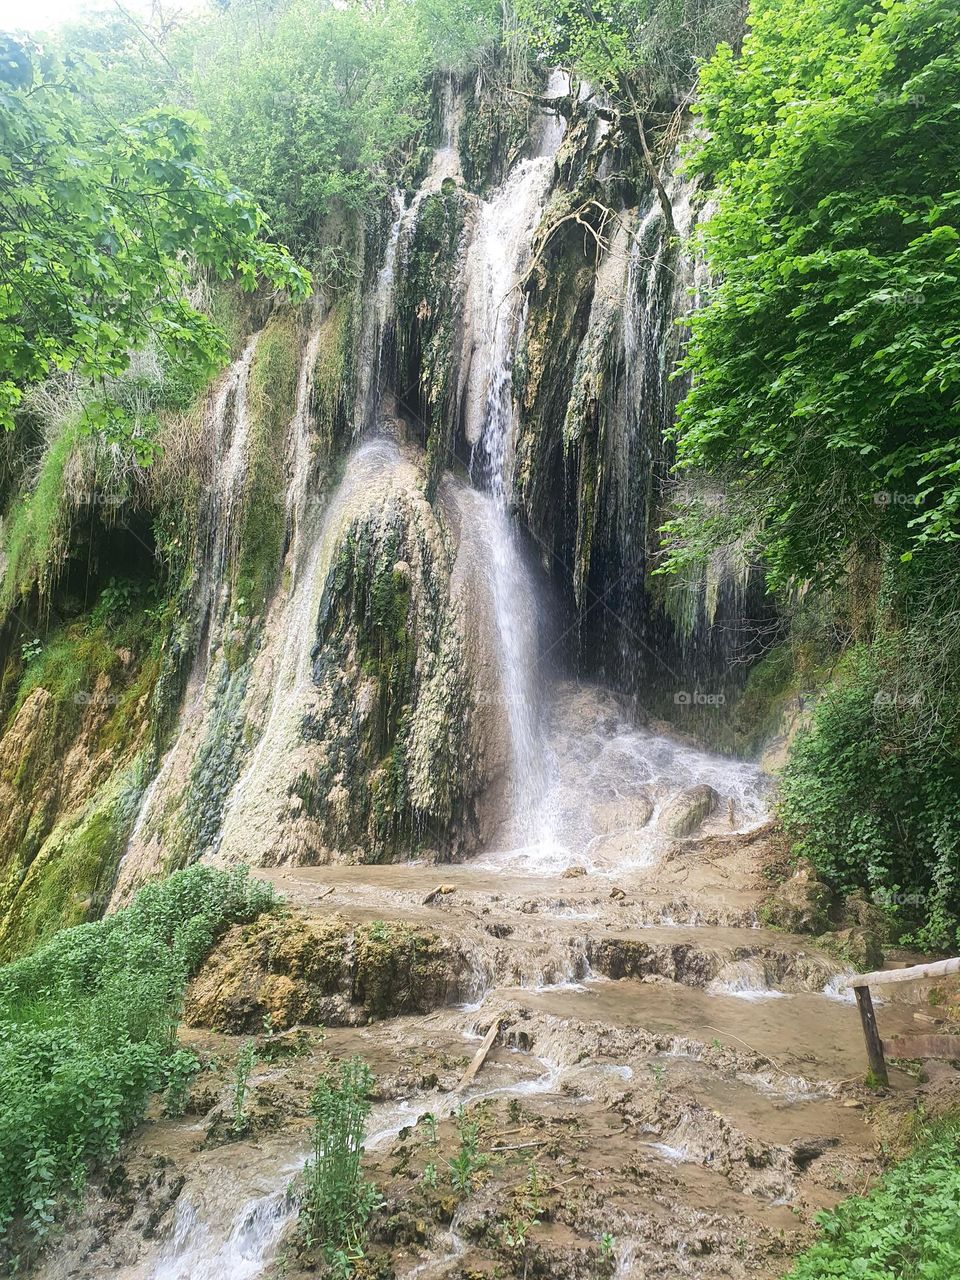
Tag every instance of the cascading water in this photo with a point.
(498, 256)
(226, 426)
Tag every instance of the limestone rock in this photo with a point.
(300, 970)
(685, 812)
(859, 947)
(799, 905)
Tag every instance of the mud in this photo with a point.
(664, 1099)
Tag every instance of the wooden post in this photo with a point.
(871, 1035)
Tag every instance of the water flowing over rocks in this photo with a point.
(461, 656)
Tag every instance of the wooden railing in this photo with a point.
(900, 1046)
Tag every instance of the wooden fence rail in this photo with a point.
(900, 1046)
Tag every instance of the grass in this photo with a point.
(35, 532)
(87, 1028)
(907, 1228)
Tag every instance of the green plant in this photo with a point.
(525, 1216)
(87, 1026)
(468, 1161)
(429, 1176)
(242, 1068)
(875, 805)
(905, 1229)
(429, 1122)
(337, 1201)
(607, 1246)
(31, 649)
(179, 1072)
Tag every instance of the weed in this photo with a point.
(179, 1071)
(525, 1217)
(87, 1027)
(337, 1201)
(906, 1227)
(242, 1068)
(468, 1161)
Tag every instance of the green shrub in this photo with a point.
(875, 805)
(87, 1028)
(908, 1228)
(337, 1201)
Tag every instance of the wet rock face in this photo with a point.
(683, 814)
(392, 762)
(291, 970)
(799, 905)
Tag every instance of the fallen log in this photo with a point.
(480, 1057)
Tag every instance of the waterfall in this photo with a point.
(226, 429)
(375, 325)
(498, 256)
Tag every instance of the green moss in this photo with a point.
(70, 880)
(273, 390)
(333, 381)
(35, 531)
(394, 768)
(399, 969)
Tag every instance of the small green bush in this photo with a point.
(907, 1228)
(874, 805)
(337, 1200)
(87, 1027)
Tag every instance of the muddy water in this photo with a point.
(687, 1082)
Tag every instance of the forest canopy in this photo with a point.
(104, 224)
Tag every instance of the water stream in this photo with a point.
(594, 793)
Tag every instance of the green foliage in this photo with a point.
(314, 106)
(643, 50)
(273, 390)
(337, 1201)
(875, 805)
(468, 1161)
(86, 1031)
(180, 1070)
(103, 223)
(826, 381)
(905, 1229)
(242, 1067)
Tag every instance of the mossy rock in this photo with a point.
(400, 969)
(859, 947)
(798, 905)
(294, 969)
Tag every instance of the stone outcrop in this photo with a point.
(683, 814)
(293, 969)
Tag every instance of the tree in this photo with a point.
(103, 226)
(643, 53)
(316, 106)
(826, 371)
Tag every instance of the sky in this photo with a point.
(40, 15)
